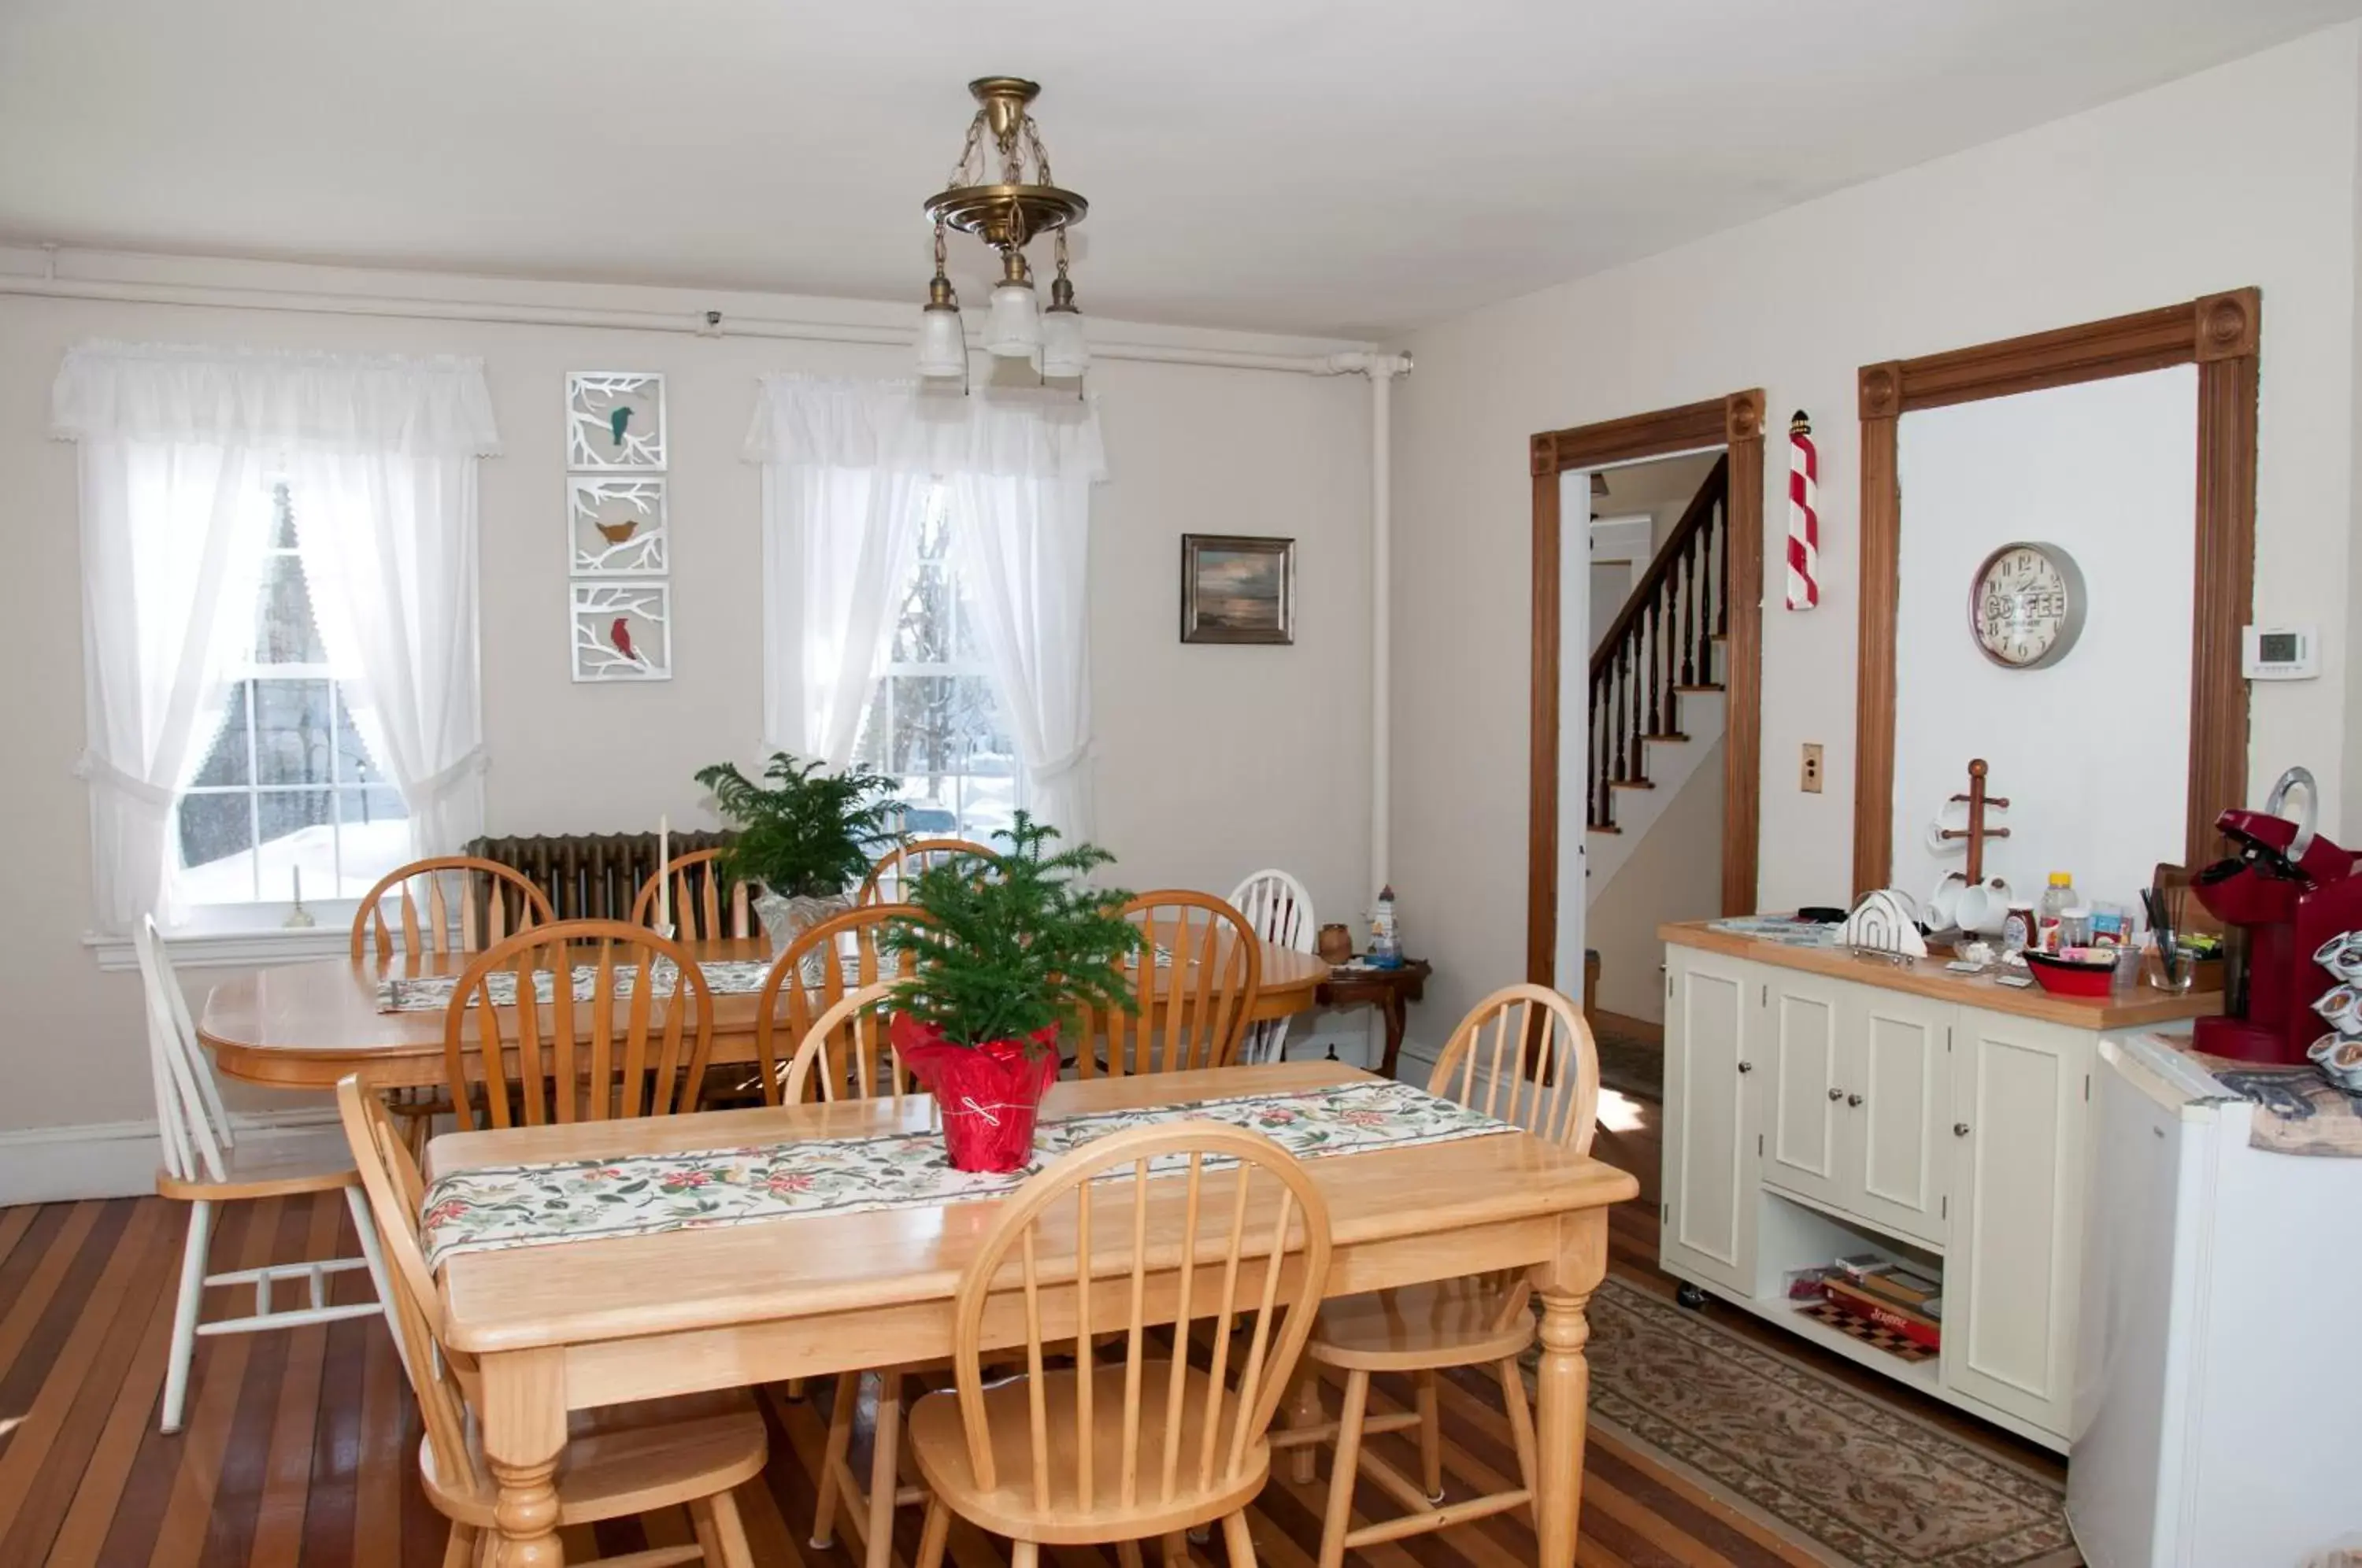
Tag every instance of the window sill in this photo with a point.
(245, 940)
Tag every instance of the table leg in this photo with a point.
(1566, 1287)
(524, 1416)
(1397, 1012)
(1303, 1410)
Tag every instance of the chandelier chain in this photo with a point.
(1041, 153)
(971, 156)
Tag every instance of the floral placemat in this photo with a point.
(498, 1207)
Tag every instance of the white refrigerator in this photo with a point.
(2218, 1400)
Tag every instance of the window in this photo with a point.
(932, 724)
(287, 784)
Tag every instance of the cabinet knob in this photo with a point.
(1746, 1066)
(1960, 1129)
(1837, 1094)
(1853, 1099)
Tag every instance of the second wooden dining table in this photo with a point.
(580, 1323)
(307, 1025)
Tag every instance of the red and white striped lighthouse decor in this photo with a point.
(1804, 515)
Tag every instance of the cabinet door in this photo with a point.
(2012, 1275)
(1710, 1193)
(1804, 1105)
(1898, 1093)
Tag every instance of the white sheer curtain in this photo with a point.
(389, 550)
(847, 466)
(1024, 547)
(177, 447)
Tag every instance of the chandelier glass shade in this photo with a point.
(1001, 191)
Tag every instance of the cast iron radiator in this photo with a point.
(595, 876)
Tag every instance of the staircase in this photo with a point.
(1656, 689)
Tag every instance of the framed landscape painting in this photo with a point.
(1236, 589)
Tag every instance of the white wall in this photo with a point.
(1674, 872)
(2092, 752)
(1212, 761)
(2242, 175)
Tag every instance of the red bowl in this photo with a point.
(2068, 977)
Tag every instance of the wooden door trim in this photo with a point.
(1735, 423)
(2221, 333)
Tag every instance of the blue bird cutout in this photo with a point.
(618, 416)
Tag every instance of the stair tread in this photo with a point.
(1702, 687)
(1601, 827)
(1667, 736)
(1630, 784)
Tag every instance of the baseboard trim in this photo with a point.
(114, 1159)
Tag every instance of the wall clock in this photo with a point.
(2025, 605)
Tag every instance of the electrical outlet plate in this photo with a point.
(1811, 782)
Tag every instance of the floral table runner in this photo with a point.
(497, 1207)
(724, 978)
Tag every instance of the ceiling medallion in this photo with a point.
(1001, 192)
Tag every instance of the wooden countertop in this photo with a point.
(2135, 1009)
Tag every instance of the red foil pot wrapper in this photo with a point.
(988, 1094)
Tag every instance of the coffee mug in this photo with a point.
(2341, 1006)
(1943, 904)
(1984, 907)
(2342, 955)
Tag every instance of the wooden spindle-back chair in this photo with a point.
(1279, 909)
(205, 1166)
(825, 963)
(700, 913)
(579, 1060)
(1148, 1445)
(1523, 1054)
(485, 900)
(845, 1054)
(1194, 1005)
(889, 880)
(620, 1461)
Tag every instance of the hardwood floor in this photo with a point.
(300, 1447)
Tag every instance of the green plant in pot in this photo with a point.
(999, 953)
(805, 835)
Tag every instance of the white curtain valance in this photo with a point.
(905, 427)
(269, 401)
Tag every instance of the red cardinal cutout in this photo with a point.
(620, 634)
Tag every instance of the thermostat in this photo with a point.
(2279, 653)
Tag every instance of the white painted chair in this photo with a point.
(1279, 909)
(205, 1166)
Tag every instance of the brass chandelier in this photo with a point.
(1001, 192)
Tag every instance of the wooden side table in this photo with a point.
(1391, 991)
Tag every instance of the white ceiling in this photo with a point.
(1302, 165)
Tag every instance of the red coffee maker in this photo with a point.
(2289, 890)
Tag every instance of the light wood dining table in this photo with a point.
(582, 1323)
(307, 1025)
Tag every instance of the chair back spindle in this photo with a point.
(889, 880)
(487, 902)
(1194, 1006)
(1279, 909)
(700, 912)
(827, 962)
(846, 1054)
(1244, 1237)
(575, 1059)
(196, 1130)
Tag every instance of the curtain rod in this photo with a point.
(702, 324)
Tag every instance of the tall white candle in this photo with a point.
(299, 886)
(664, 868)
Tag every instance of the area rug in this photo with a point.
(1848, 1476)
(1629, 1063)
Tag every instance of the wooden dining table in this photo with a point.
(586, 1322)
(307, 1025)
